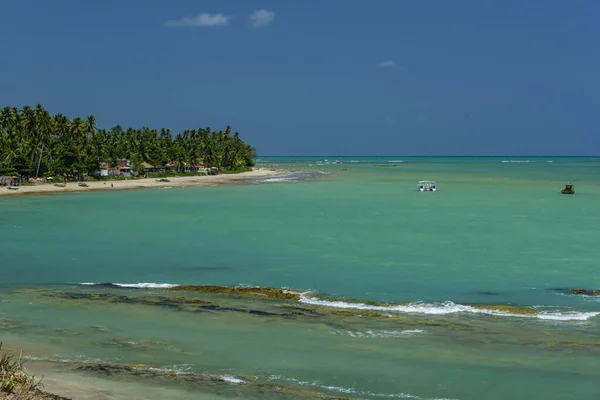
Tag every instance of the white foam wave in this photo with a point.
(147, 285)
(345, 390)
(447, 308)
(232, 379)
(567, 316)
(174, 370)
(141, 285)
(279, 180)
(384, 334)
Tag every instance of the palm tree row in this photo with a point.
(34, 143)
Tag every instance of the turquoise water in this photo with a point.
(497, 232)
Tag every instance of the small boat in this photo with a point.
(82, 184)
(426, 186)
(12, 188)
(163, 180)
(569, 189)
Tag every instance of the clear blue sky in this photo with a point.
(311, 77)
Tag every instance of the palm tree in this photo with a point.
(45, 128)
(33, 143)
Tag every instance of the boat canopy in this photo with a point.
(426, 182)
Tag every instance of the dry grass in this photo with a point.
(15, 383)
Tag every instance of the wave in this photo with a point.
(352, 391)
(278, 180)
(292, 177)
(382, 334)
(142, 285)
(232, 379)
(447, 308)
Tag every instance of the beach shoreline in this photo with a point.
(145, 183)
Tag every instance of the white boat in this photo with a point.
(427, 186)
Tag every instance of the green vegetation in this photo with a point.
(12, 375)
(34, 143)
(173, 174)
(237, 171)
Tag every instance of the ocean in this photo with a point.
(378, 290)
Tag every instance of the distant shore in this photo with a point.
(146, 183)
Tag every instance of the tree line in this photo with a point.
(34, 143)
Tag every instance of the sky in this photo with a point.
(319, 77)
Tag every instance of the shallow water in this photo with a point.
(495, 233)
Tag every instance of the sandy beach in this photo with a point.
(148, 183)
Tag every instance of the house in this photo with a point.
(125, 167)
(151, 168)
(197, 167)
(171, 167)
(106, 168)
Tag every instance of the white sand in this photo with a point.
(175, 182)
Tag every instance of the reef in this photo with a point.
(583, 346)
(506, 309)
(586, 292)
(175, 303)
(7, 324)
(578, 291)
(255, 292)
(138, 344)
(247, 387)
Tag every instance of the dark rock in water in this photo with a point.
(172, 302)
(486, 293)
(263, 313)
(595, 292)
(175, 303)
(578, 291)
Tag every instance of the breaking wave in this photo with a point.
(279, 180)
(141, 285)
(382, 334)
(352, 391)
(444, 308)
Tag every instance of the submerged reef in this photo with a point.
(506, 309)
(247, 387)
(7, 324)
(256, 292)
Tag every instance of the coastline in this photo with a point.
(147, 183)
